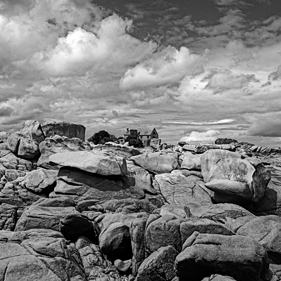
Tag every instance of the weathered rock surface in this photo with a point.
(225, 165)
(115, 242)
(267, 231)
(180, 190)
(159, 266)
(89, 162)
(53, 127)
(39, 260)
(58, 144)
(112, 148)
(158, 162)
(190, 161)
(237, 256)
(142, 178)
(45, 214)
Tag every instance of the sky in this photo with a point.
(195, 70)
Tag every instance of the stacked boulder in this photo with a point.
(76, 211)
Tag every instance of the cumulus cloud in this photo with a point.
(195, 136)
(82, 50)
(227, 80)
(166, 67)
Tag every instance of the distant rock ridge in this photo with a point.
(249, 147)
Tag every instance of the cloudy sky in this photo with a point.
(198, 69)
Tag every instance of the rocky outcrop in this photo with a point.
(109, 212)
(53, 127)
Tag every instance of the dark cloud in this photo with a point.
(266, 128)
(6, 111)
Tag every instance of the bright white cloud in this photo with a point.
(107, 49)
(166, 67)
(195, 136)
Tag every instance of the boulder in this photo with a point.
(73, 226)
(16, 263)
(267, 231)
(33, 129)
(115, 242)
(53, 127)
(89, 162)
(40, 216)
(58, 144)
(159, 266)
(157, 162)
(270, 204)
(40, 181)
(23, 146)
(8, 216)
(91, 255)
(237, 256)
(229, 191)
(218, 212)
(226, 165)
(142, 178)
(190, 161)
(180, 190)
(60, 257)
(161, 232)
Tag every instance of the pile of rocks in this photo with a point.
(71, 210)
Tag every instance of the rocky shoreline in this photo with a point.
(73, 211)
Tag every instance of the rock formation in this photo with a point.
(73, 210)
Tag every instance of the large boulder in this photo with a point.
(267, 231)
(58, 144)
(53, 127)
(270, 204)
(190, 161)
(40, 181)
(218, 165)
(45, 214)
(115, 242)
(33, 129)
(237, 256)
(40, 259)
(89, 162)
(157, 162)
(159, 266)
(180, 190)
(23, 146)
(142, 178)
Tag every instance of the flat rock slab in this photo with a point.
(88, 161)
